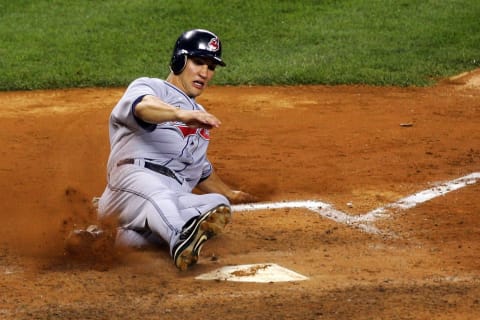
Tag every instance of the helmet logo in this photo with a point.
(213, 45)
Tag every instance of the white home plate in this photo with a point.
(266, 272)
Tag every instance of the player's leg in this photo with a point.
(143, 203)
(208, 214)
(150, 203)
(185, 238)
(193, 205)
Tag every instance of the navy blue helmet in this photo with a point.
(196, 43)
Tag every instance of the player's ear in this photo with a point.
(178, 63)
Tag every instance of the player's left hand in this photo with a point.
(237, 196)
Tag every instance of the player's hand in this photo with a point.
(198, 119)
(237, 196)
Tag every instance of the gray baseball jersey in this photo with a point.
(153, 205)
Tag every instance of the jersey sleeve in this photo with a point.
(124, 112)
(145, 125)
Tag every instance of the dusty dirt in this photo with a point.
(344, 145)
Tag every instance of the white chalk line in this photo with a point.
(365, 221)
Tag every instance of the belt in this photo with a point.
(152, 166)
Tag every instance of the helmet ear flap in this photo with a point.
(178, 63)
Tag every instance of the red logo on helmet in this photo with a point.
(213, 45)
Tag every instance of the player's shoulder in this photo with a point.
(146, 85)
(147, 81)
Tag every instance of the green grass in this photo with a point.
(55, 44)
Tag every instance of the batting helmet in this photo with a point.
(195, 43)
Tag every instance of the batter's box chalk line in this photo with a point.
(366, 221)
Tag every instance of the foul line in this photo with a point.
(365, 221)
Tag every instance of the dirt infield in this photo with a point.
(357, 148)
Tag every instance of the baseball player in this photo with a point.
(159, 137)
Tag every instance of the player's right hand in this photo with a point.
(198, 119)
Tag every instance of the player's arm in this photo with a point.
(214, 184)
(151, 109)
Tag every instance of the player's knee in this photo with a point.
(220, 199)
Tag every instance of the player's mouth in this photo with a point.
(199, 84)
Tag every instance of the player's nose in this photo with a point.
(203, 70)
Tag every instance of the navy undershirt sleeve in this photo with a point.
(145, 125)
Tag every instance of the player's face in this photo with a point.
(195, 77)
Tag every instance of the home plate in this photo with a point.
(265, 272)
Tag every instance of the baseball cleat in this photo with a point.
(196, 232)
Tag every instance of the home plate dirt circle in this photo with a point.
(372, 155)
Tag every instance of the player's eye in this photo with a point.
(200, 62)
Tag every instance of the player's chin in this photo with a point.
(195, 92)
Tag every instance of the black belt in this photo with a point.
(152, 166)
